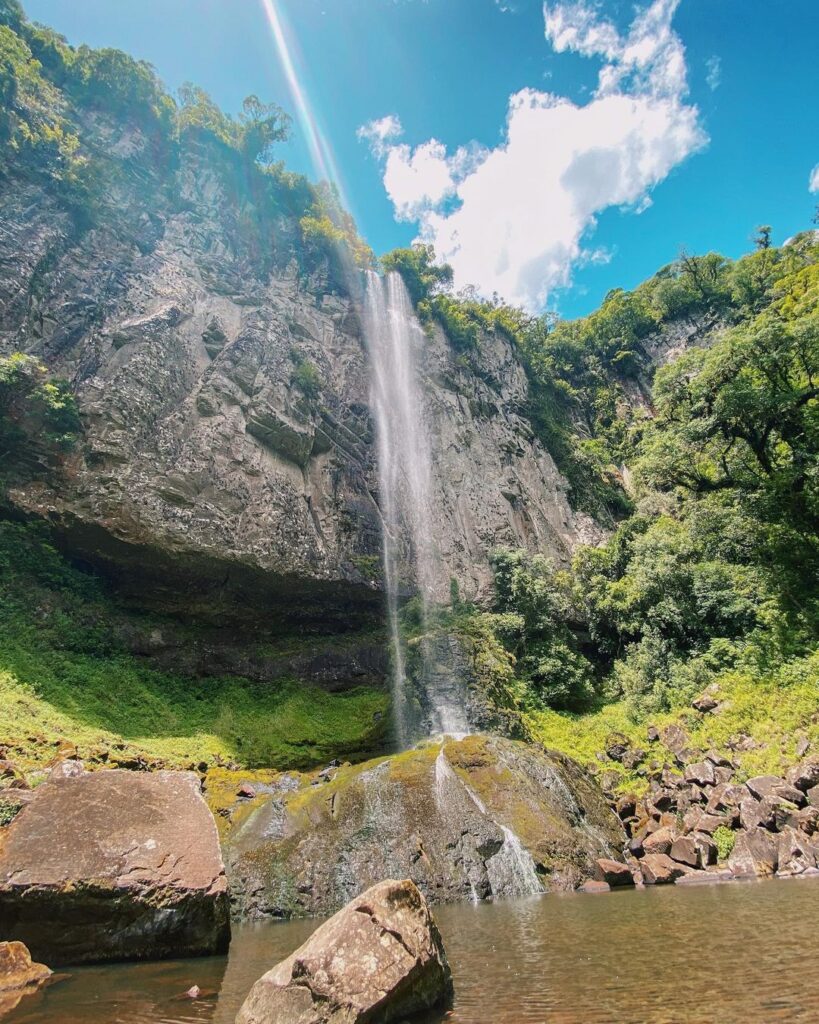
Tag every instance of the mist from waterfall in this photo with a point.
(395, 339)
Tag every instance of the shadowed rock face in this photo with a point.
(465, 819)
(380, 958)
(114, 865)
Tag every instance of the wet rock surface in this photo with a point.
(379, 959)
(114, 865)
(19, 976)
(466, 819)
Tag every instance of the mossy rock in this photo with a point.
(472, 818)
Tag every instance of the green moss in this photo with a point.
(9, 810)
(65, 676)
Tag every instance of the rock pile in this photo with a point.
(699, 822)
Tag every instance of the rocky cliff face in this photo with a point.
(203, 459)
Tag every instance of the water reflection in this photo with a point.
(733, 954)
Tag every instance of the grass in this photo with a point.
(775, 711)
(65, 676)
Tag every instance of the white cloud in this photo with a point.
(417, 180)
(381, 132)
(512, 219)
(713, 72)
(813, 181)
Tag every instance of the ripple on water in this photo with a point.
(725, 954)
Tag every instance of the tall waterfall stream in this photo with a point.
(395, 339)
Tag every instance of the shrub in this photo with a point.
(724, 839)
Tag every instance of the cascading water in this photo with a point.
(512, 869)
(394, 338)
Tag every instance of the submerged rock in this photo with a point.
(115, 865)
(464, 819)
(380, 958)
(18, 975)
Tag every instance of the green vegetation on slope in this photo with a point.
(64, 675)
(713, 575)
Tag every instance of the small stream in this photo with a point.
(743, 953)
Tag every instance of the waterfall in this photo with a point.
(511, 871)
(394, 338)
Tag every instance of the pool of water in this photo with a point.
(723, 954)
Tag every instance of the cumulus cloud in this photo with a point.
(512, 219)
(813, 181)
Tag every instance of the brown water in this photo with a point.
(723, 954)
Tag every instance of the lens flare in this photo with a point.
(320, 152)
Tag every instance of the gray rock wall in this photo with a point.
(183, 343)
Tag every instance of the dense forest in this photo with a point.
(703, 464)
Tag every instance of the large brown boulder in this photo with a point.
(660, 869)
(379, 959)
(755, 853)
(115, 865)
(613, 872)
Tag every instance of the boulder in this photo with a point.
(806, 820)
(617, 745)
(478, 816)
(706, 847)
(709, 823)
(754, 853)
(725, 796)
(593, 885)
(707, 701)
(613, 872)
(380, 958)
(19, 977)
(68, 768)
(632, 758)
(804, 776)
(795, 852)
(700, 773)
(115, 865)
(17, 970)
(757, 813)
(762, 786)
(675, 738)
(685, 851)
(660, 869)
(660, 841)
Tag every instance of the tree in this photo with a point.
(261, 126)
(37, 415)
(422, 275)
(762, 238)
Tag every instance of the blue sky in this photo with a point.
(532, 172)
